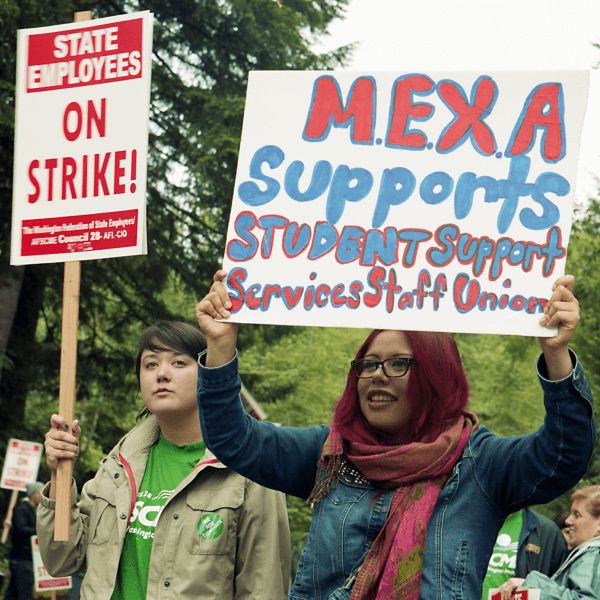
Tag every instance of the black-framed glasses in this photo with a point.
(392, 367)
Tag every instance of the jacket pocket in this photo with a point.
(103, 517)
(213, 520)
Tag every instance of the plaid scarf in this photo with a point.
(417, 472)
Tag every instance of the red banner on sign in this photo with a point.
(81, 233)
(88, 56)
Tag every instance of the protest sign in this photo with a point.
(520, 594)
(424, 201)
(81, 140)
(43, 581)
(21, 464)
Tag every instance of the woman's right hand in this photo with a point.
(221, 337)
(61, 443)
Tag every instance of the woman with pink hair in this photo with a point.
(408, 490)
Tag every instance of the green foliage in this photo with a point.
(583, 262)
(505, 392)
(303, 374)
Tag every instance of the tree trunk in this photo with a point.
(15, 382)
(10, 290)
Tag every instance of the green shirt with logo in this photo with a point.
(168, 464)
(503, 561)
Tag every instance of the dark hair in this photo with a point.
(169, 335)
(591, 494)
(437, 390)
(561, 517)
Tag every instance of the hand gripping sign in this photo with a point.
(427, 201)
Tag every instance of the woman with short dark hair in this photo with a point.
(162, 516)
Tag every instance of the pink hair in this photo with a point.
(437, 390)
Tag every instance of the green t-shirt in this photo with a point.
(168, 464)
(503, 561)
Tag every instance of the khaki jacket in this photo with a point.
(250, 559)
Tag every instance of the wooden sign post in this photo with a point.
(68, 370)
(66, 399)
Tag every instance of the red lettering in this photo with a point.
(292, 298)
(251, 300)
(119, 171)
(100, 174)
(50, 164)
(543, 108)
(73, 107)
(319, 299)
(268, 291)
(100, 121)
(468, 119)
(403, 109)
(69, 170)
(336, 298)
(31, 198)
(327, 105)
(375, 277)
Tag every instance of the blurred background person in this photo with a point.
(527, 542)
(579, 576)
(560, 519)
(20, 560)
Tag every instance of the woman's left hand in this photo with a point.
(562, 311)
(508, 589)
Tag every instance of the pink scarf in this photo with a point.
(417, 472)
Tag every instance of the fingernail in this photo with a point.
(66, 426)
(227, 304)
(77, 443)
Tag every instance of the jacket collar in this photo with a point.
(144, 435)
(577, 552)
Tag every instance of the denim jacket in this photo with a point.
(493, 478)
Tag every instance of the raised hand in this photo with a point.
(562, 311)
(221, 336)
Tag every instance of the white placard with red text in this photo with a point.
(81, 140)
(404, 200)
(43, 581)
(21, 464)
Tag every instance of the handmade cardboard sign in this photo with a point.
(426, 201)
(81, 140)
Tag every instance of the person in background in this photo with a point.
(163, 518)
(20, 560)
(560, 520)
(579, 576)
(408, 490)
(527, 542)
